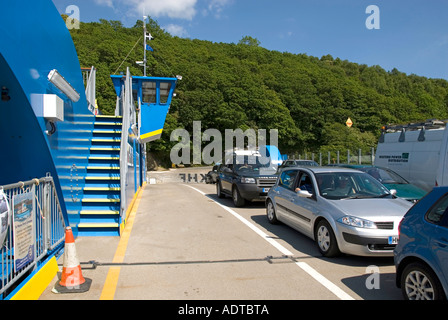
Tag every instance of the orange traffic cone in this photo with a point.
(72, 280)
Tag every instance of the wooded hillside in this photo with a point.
(229, 86)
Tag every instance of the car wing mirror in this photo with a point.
(304, 194)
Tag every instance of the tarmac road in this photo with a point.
(184, 243)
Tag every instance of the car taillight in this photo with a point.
(399, 228)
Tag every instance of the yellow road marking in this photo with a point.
(110, 285)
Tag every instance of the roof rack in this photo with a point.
(428, 124)
(403, 128)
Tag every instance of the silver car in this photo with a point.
(343, 210)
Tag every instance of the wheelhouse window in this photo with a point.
(165, 88)
(149, 92)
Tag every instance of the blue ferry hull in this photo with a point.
(35, 41)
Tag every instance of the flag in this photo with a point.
(149, 48)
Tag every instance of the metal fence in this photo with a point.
(337, 157)
(34, 228)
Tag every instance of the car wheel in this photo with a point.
(419, 282)
(326, 240)
(270, 212)
(219, 190)
(238, 201)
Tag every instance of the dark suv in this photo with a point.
(246, 180)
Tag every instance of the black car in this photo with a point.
(212, 175)
(246, 180)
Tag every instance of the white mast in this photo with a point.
(144, 45)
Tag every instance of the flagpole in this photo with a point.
(144, 45)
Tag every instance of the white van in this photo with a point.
(416, 151)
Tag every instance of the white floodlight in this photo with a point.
(59, 81)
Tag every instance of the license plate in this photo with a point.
(265, 190)
(393, 240)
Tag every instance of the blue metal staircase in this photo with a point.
(100, 213)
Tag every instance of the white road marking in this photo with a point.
(341, 294)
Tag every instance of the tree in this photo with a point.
(230, 86)
(249, 41)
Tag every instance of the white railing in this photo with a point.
(90, 83)
(34, 226)
(125, 108)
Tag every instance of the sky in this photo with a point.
(409, 35)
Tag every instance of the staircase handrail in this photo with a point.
(127, 106)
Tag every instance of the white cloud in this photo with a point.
(218, 4)
(179, 9)
(286, 35)
(176, 30)
(107, 3)
(216, 7)
(175, 9)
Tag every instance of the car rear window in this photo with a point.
(436, 213)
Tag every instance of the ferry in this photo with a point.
(56, 142)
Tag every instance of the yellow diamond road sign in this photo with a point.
(349, 122)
